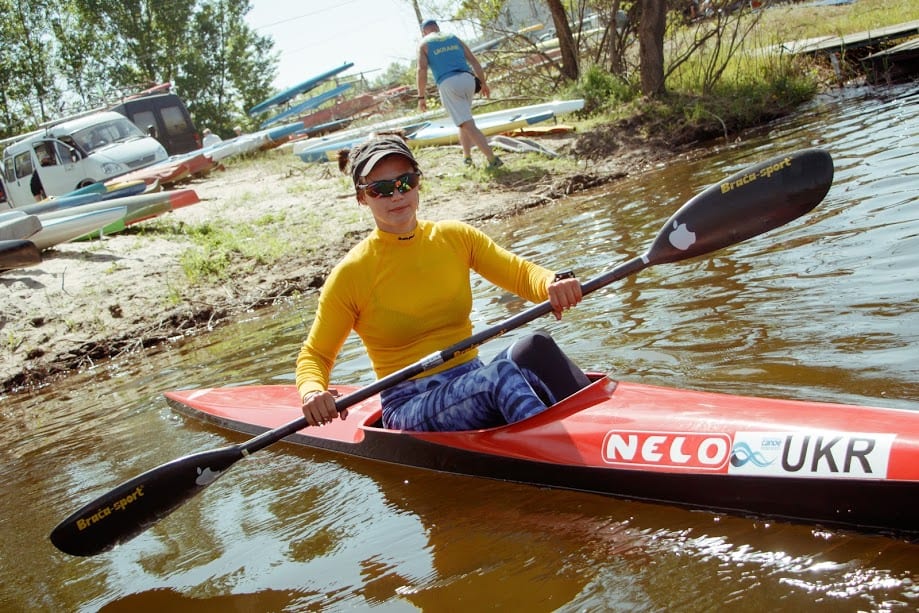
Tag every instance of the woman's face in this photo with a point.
(394, 214)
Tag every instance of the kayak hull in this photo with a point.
(18, 254)
(818, 463)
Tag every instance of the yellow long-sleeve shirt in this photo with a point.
(408, 296)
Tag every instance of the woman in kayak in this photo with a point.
(405, 289)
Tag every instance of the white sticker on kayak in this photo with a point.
(691, 451)
(843, 455)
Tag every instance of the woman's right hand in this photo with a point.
(564, 293)
(319, 408)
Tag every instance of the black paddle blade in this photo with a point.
(132, 507)
(750, 202)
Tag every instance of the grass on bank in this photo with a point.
(225, 246)
(215, 246)
(218, 248)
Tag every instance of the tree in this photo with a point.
(566, 44)
(418, 14)
(651, 30)
(26, 56)
(227, 68)
(144, 36)
(61, 56)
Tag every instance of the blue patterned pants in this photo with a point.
(470, 396)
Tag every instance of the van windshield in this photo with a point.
(103, 134)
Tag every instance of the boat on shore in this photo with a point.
(833, 465)
(307, 105)
(16, 225)
(296, 90)
(56, 230)
(16, 253)
(433, 129)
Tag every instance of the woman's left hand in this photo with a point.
(564, 294)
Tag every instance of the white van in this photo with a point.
(75, 153)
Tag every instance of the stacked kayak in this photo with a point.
(432, 129)
(89, 213)
(16, 225)
(300, 88)
(15, 253)
(74, 223)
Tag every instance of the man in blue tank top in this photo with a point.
(455, 71)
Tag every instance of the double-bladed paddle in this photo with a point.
(750, 202)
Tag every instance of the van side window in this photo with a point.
(23, 163)
(175, 120)
(65, 154)
(9, 170)
(44, 153)
(144, 118)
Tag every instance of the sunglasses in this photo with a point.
(387, 187)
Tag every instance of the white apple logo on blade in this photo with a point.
(681, 237)
(206, 476)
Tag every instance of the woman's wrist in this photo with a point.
(564, 274)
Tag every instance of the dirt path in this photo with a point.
(91, 301)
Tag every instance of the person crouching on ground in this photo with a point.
(405, 289)
(455, 70)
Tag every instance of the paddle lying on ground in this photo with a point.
(760, 198)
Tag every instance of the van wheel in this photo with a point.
(84, 183)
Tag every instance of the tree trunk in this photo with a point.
(565, 39)
(417, 8)
(651, 46)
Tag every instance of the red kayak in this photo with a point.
(830, 464)
(826, 464)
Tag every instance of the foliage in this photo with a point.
(711, 44)
(802, 21)
(98, 51)
(26, 61)
(602, 90)
(396, 74)
(224, 63)
(484, 11)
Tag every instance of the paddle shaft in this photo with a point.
(747, 203)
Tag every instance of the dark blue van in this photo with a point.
(165, 117)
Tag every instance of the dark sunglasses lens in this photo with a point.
(409, 181)
(386, 188)
(381, 189)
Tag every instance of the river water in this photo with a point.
(825, 308)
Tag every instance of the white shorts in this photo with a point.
(456, 93)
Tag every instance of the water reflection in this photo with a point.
(360, 535)
(825, 308)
